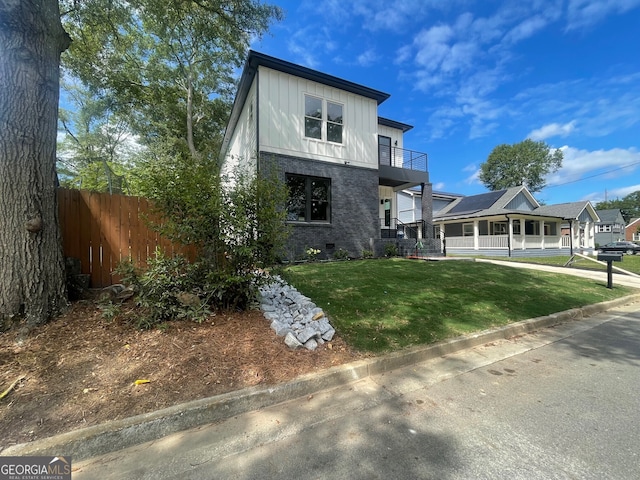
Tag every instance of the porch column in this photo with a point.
(476, 234)
(510, 233)
(541, 229)
(575, 231)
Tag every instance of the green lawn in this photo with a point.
(386, 304)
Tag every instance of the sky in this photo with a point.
(471, 75)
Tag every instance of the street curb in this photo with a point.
(119, 434)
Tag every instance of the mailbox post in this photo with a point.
(610, 258)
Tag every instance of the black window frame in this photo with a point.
(308, 199)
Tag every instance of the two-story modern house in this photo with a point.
(341, 161)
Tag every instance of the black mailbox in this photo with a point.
(610, 257)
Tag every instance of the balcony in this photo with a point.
(401, 168)
(401, 158)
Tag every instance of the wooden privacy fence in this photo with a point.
(102, 229)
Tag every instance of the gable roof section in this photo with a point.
(393, 124)
(256, 59)
(498, 202)
(570, 211)
(632, 222)
(490, 203)
(612, 215)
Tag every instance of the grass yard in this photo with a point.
(387, 304)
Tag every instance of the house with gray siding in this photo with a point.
(611, 227)
(342, 162)
(511, 222)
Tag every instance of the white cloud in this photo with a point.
(474, 170)
(367, 58)
(579, 164)
(552, 130)
(439, 186)
(586, 13)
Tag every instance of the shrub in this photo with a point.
(170, 288)
(367, 254)
(312, 254)
(341, 254)
(390, 250)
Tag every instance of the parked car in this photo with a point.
(629, 248)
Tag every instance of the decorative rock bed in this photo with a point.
(294, 316)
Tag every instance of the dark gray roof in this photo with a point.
(563, 210)
(393, 124)
(494, 203)
(611, 215)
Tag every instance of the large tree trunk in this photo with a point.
(32, 276)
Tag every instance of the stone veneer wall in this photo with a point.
(354, 207)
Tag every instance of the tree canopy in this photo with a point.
(526, 163)
(629, 205)
(165, 66)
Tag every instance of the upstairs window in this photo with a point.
(313, 117)
(323, 120)
(334, 122)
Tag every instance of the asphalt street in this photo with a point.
(560, 403)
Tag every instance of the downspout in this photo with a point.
(509, 232)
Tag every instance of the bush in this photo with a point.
(367, 254)
(390, 250)
(170, 288)
(341, 254)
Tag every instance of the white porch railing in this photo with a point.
(493, 241)
(459, 242)
(519, 242)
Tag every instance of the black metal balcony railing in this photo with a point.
(401, 158)
(419, 229)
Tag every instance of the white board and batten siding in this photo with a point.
(242, 147)
(394, 134)
(281, 123)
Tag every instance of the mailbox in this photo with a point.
(610, 257)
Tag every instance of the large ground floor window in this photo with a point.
(309, 198)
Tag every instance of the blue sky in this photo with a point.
(470, 75)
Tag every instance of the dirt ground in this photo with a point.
(81, 369)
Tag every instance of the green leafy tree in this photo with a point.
(629, 205)
(237, 230)
(168, 65)
(96, 150)
(526, 163)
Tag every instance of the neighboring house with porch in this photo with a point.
(632, 231)
(511, 222)
(611, 227)
(342, 162)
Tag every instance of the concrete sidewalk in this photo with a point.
(618, 278)
(116, 435)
